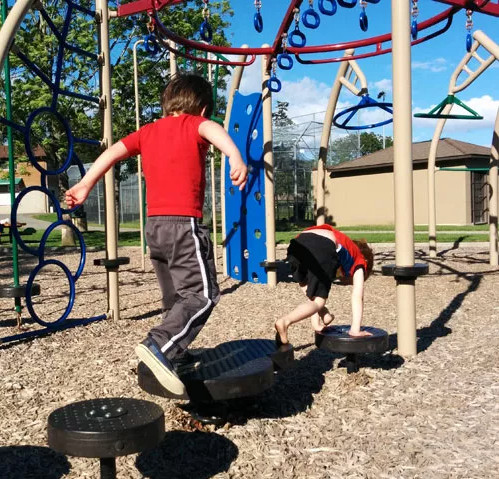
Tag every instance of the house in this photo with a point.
(26, 175)
(361, 191)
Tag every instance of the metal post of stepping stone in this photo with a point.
(106, 428)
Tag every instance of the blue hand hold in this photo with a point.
(363, 21)
(284, 61)
(328, 11)
(258, 22)
(274, 84)
(310, 18)
(206, 32)
(414, 30)
(297, 38)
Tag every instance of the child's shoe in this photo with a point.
(150, 354)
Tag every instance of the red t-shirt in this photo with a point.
(173, 160)
(349, 254)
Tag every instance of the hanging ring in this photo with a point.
(328, 11)
(205, 31)
(274, 84)
(363, 21)
(297, 38)
(258, 22)
(285, 61)
(314, 20)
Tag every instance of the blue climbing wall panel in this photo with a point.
(245, 210)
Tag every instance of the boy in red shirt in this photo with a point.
(315, 256)
(173, 153)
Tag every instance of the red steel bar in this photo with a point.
(483, 6)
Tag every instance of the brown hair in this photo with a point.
(368, 254)
(187, 94)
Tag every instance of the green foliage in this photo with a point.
(355, 145)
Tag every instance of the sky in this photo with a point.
(307, 87)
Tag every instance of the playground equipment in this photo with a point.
(106, 428)
(232, 370)
(337, 340)
(399, 42)
(443, 113)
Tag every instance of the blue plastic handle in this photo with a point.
(346, 4)
(297, 38)
(150, 44)
(363, 21)
(328, 11)
(274, 84)
(285, 61)
(310, 18)
(258, 22)
(469, 41)
(414, 30)
(206, 32)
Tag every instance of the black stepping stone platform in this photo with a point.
(106, 428)
(11, 291)
(336, 339)
(231, 370)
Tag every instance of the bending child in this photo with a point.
(173, 153)
(315, 256)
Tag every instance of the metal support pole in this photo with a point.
(268, 159)
(402, 169)
(493, 199)
(139, 159)
(320, 194)
(102, 12)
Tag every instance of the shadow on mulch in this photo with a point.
(294, 389)
(190, 455)
(32, 462)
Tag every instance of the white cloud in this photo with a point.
(381, 85)
(436, 65)
(485, 106)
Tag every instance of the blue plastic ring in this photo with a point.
(297, 38)
(414, 30)
(363, 21)
(83, 248)
(469, 41)
(55, 202)
(29, 284)
(285, 61)
(274, 84)
(328, 11)
(310, 18)
(346, 4)
(258, 22)
(27, 141)
(205, 31)
(150, 44)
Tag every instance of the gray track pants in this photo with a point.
(182, 256)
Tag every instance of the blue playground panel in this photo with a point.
(245, 210)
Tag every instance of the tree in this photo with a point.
(35, 61)
(355, 145)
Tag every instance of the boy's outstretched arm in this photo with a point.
(219, 138)
(358, 304)
(78, 193)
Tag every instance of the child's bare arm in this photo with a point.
(358, 304)
(219, 138)
(78, 193)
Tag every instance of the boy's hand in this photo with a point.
(359, 334)
(239, 175)
(76, 195)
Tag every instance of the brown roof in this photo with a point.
(38, 151)
(448, 150)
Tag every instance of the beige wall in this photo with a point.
(368, 199)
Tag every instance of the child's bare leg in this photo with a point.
(302, 311)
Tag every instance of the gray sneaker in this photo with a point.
(150, 354)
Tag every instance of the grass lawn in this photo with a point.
(97, 239)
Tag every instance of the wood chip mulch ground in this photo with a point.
(433, 416)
